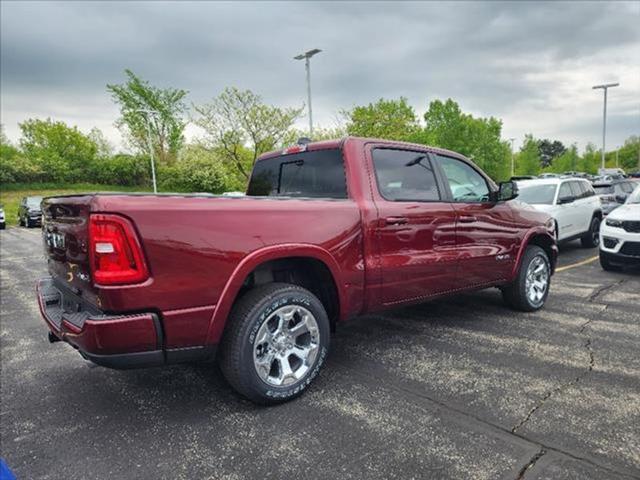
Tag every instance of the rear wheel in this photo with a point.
(529, 291)
(591, 239)
(275, 343)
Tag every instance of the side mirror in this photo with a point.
(566, 199)
(621, 198)
(507, 191)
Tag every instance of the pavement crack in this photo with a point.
(561, 388)
(530, 464)
(604, 288)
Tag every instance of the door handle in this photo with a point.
(467, 219)
(395, 221)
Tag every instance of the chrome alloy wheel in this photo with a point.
(286, 345)
(537, 281)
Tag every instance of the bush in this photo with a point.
(198, 170)
(121, 169)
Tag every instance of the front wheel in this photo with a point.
(275, 343)
(529, 291)
(591, 239)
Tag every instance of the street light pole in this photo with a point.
(513, 164)
(307, 64)
(604, 87)
(148, 113)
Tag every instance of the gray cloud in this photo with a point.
(531, 64)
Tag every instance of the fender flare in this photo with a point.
(525, 242)
(258, 257)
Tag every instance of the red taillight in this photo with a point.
(115, 251)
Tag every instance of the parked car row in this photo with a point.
(571, 202)
(614, 193)
(607, 216)
(620, 235)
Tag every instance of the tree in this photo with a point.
(567, 161)
(477, 138)
(590, 160)
(387, 119)
(104, 148)
(629, 154)
(240, 127)
(550, 150)
(64, 153)
(528, 159)
(319, 134)
(167, 126)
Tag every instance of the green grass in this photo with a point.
(11, 194)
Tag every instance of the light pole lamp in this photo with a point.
(605, 87)
(147, 114)
(306, 56)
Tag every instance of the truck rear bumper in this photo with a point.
(117, 341)
(114, 341)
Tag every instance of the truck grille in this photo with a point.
(631, 248)
(631, 226)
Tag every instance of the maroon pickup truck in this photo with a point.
(327, 231)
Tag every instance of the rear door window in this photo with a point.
(565, 190)
(316, 174)
(405, 176)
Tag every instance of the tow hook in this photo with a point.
(53, 338)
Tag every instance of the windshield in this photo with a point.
(537, 194)
(34, 201)
(634, 197)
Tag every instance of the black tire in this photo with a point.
(591, 239)
(20, 222)
(607, 265)
(246, 318)
(515, 294)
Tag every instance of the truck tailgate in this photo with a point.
(65, 235)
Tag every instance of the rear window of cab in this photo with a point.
(315, 174)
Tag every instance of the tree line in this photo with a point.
(238, 126)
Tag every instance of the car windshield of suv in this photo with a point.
(317, 174)
(536, 194)
(34, 201)
(634, 197)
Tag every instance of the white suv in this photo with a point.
(620, 235)
(571, 202)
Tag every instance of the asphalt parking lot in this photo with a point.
(459, 388)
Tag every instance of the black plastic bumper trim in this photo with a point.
(124, 361)
(153, 358)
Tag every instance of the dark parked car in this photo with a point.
(613, 194)
(29, 212)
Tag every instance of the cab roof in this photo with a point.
(339, 143)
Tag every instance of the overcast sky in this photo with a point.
(530, 64)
